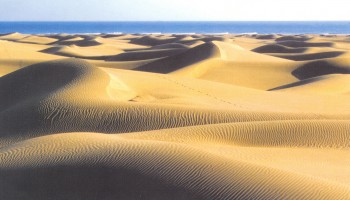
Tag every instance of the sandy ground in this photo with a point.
(174, 117)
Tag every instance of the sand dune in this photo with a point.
(176, 62)
(14, 55)
(194, 43)
(326, 84)
(68, 40)
(81, 43)
(308, 56)
(12, 36)
(293, 38)
(91, 52)
(153, 40)
(277, 48)
(266, 37)
(171, 46)
(293, 43)
(145, 54)
(121, 116)
(321, 67)
(37, 40)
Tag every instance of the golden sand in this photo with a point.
(174, 117)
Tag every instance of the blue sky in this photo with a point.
(173, 10)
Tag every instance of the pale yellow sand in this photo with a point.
(174, 117)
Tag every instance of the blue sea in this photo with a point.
(316, 27)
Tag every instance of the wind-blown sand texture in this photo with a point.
(174, 117)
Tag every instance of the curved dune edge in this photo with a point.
(168, 116)
(310, 56)
(180, 166)
(72, 95)
(326, 84)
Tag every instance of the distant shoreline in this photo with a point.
(204, 34)
(178, 27)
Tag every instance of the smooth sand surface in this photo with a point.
(121, 116)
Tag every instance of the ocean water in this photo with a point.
(317, 27)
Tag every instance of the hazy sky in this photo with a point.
(165, 10)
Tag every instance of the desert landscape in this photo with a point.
(174, 116)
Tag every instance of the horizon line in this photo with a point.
(175, 21)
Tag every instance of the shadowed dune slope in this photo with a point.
(293, 38)
(196, 58)
(308, 56)
(292, 43)
(153, 40)
(78, 41)
(321, 67)
(95, 53)
(276, 48)
(37, 80)
(37, 40)
(326, 84)
(15, 55)
(12, 36)
(191, 56)
(171, 46)
(266, 37)
(234, 60)
(146, 54)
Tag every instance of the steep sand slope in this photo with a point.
(146, 54)
(255, 70)
(37, 40)
(198, 117)
(16, 55)
(189, 57)
(94, 52)
(308, 56)
(12, 36)
(326, 84)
